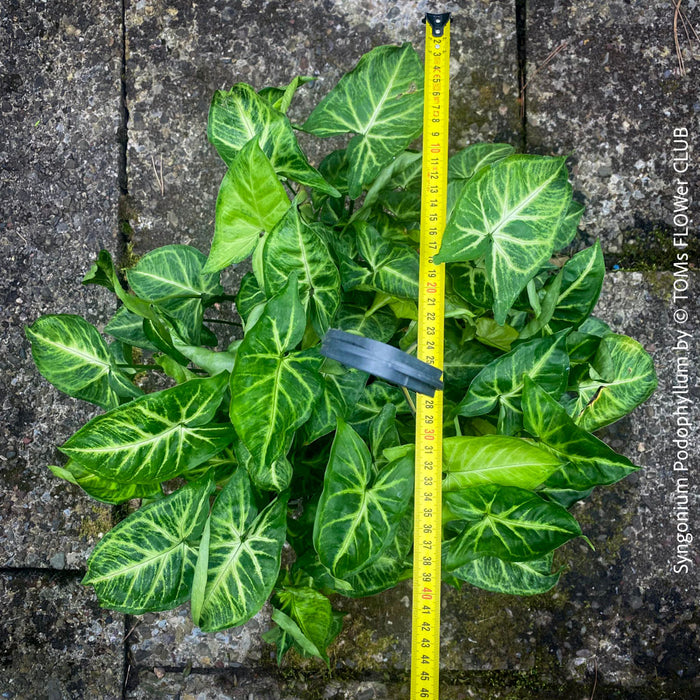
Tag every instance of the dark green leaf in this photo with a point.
(379, 325)
(568, 226)
(127, 327)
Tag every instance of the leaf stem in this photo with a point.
(458, 427)
(411, 405)
(127, 366)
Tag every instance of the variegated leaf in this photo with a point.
(507, 522)
(273, 389)
(494, 459)
(72, 355)
(295, 246)
(146, 563)
(372, 400)
(239, 115)
(155, 437)
(173, 278)
(239, 557)
(510, 577)
(621, 377)
(358, 511)
(568, 227)
(509, 212)
(379, 325)
(250, 203)
(381, 102)
(127, 327)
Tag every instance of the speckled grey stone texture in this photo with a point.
(55, 642)
(611, 99)
(59, 153)
(180, 53)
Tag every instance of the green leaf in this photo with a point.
(509, 212)
(381, 102)
(494, 459)
(372, 400)
(314, 617)
(237, 116)
(358, 512)
(469, 282)
(250, 203)
(155, 437)
(340, 393)
(501, 381)
(463, 360)
(146, 563)
(379, 325)
(390, 267)
(582, 280)
(464, 164)
(172, 278)
(102, 489)
(70, 353)
(295, 246)
(510, 577)
(383, 433)
(243, 557)
(127, 327)
(505, 522)
(622, 376)
(266, 477)
(280, 98)
(273, 390)
(249, 296)
(590, 462)
(568, 227)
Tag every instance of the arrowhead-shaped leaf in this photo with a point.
(590, 462)
(251, 201)
(622, 376)
(146, 563)
(239, 558)
(381, 102)
(372, 400)
(379, 325)
(505, 522)
(568, 227)
(494, 459)
(581, 282)
(281, 98)
(237, 116)
(358, 512)
(127, 327)
(156, 437)
(71, 354)
(509, 212)
(173, 278)
(510, 577)
(273, 390)
(501, 381)
(294, 246)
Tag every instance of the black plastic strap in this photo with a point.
(382, 360)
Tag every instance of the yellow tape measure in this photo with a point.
(427, 527)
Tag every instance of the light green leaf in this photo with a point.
(295, 246)
(172, 278)
(380, 325)
(249, 296)
(501, 381)
(71, 354)
(494, 459)
(146, 563)
(509, 212)
(266, 477)
(155, 437)
(582, 280)
(237, 116)
(590, 462)
(243, 557)
(507, 522)
(250, 203)
(464, 164)
(358, 512)
(381, 102)
(390, 267)
(273, 390)
(510, 577)
(281, 98)
(102, 489)
(622, 376)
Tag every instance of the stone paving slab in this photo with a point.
(55, 642)
(180, 53)
(612, 98)
(59, 97)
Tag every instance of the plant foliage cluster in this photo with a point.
(268, 471)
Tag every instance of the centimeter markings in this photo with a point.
(427, 527)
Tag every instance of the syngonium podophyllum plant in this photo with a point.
(267, 471)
